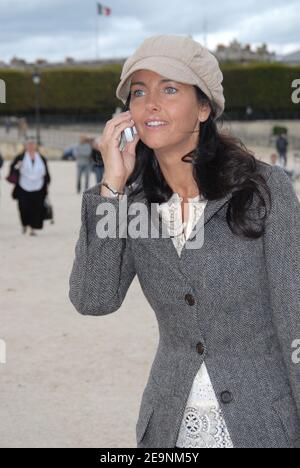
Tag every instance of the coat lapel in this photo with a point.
(164, 247)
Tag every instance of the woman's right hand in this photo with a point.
(118, 166)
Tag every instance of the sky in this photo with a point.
(56, 29)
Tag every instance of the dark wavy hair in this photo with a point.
(221, 165)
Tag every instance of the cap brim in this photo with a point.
(165, 66)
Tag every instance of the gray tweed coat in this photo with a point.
(234, 303)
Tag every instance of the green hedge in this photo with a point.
(267, 88)
(89, 91)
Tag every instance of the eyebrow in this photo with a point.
(143, 84)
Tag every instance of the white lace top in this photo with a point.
(202, 425)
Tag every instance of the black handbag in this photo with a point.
(14, 173)
(48, 211)
(13, 177)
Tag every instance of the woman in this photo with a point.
(32, 187)
(224, 374)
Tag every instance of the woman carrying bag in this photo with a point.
(29, 172)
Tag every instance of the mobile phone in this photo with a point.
(127, 136)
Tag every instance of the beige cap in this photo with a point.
(180, 59)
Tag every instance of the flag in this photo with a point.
(102, 10)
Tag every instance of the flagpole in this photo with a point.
(97, 49)
(97, 36)
(101, 11)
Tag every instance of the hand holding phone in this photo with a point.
(118, 148)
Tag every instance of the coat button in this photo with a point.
(226, 397)
(200, 348)
(189, 299)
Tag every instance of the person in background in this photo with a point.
(98, 166)
(22, 128)
(282, 145)
(7, 123)
(83, 157)
(32, 186)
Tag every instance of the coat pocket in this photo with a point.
(145, 414)
(287, 412)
